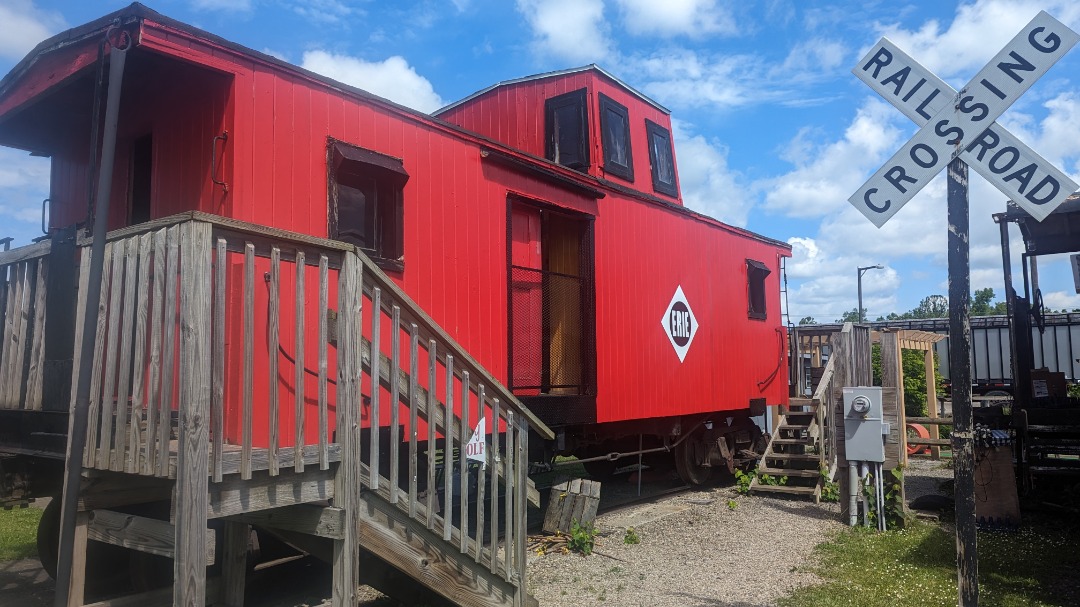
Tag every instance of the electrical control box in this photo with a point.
(863, 424)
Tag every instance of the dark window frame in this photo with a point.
(756, 300)
(612, 166)
(559, 144)
(369, 174)
(654, 130)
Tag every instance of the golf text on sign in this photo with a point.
(962, 124)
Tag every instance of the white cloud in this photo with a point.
(325, 12)
(824, 176)
(694, 18)
(683, 78)
(568, 30)
(978, 30)
(810, 59)
(393, 78)
(23, 25)
(708, 184)
(227, 6)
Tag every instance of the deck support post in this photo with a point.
(76, 591)
(346, 577)
(193, 449)
(234, 562)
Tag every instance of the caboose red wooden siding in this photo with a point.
(482, 210)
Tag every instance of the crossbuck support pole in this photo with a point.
(963, 442)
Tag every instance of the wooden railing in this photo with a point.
(329, 349)
(23, 275)
(823, 400)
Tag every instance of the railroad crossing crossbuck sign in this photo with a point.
(962, 123)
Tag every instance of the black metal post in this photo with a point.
(963, 443)
(80, 410)
(859, 311)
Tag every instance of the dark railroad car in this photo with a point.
(539, 222)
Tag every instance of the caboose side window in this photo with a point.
(365, 202)
(755, 288)
(566, 124)
(615, 135)
(661, 159)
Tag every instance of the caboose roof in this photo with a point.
(556, 74)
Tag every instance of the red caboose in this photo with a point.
(538, 221)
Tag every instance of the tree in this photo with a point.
(980, 302)
(807, 320)
(851, 315)
(932, 306)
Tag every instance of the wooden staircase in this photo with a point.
(799, 457)
(380, 402)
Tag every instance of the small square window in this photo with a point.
(615, 135)
(661, 159)
(755, 288)
(566, 124)
(365, 202)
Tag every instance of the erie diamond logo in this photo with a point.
(679, 323)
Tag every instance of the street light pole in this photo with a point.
(863, 269)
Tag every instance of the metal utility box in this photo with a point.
(863, 425)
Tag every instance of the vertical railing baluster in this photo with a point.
(273, 325)
(495, 462)
(217, 404)
(481, 484)
(375, 422)
(520, 520)
(94, 416)
(448, 451)
(249, 360)
(508, 503)
(395, 403)
(324, 335)
(463, 463)
(298, 357)
(168, 357)
(414, 403)
(157, 328)
(138, 388)
(431, 433)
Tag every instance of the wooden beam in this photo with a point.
(193, 449)
(234, 562)
(323, 521)
(236, 496)
(139, 533)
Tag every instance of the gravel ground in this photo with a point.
(698, 550)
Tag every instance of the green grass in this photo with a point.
(18, 533)
(1036, 566)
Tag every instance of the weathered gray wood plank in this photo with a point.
(414, 405)
(94, 412)
(273, 336)
(324, 308)
(448, 452)
(136, 436)
(127, 334)
(192, 461)
(463, 463)
(495, 465)
(109, 398)
(298, 357)
(431, 433)
(35, 373)
(217, 404)
(481, 483)
(155, 396)
(234, 562)
(375, 422)
(249, 356)
(395, 403)
(168, 354)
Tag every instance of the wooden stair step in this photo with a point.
(792, 427)
(800, 457)
(804, 473)
(788, 489)
(793, 441)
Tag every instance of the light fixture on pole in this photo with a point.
(861, 271)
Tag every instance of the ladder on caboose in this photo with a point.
(173, 406)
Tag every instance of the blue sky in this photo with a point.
(772, 131)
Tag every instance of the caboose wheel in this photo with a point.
(689, 459)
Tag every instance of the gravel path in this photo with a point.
(709, 548)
